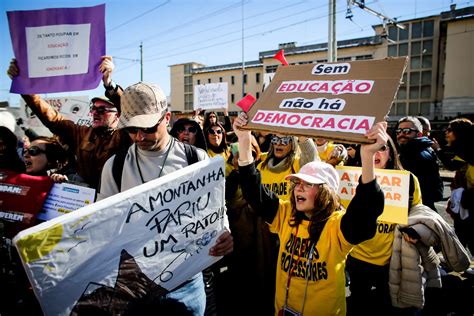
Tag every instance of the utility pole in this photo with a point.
(243, 58)
(332, 42)
(141, 61)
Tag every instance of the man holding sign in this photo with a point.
(92, 145)
(155, 153)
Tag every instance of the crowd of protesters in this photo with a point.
(293, 248)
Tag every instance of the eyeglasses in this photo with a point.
(190, 129)
(215, 131)
(34, 151)
(281, 140)
(305, 185)
(449, 129)
(147, 130)
(405, 131)
(102, 109)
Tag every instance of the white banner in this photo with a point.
(210, 96)
(120, 249)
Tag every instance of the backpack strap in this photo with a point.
(191, 153)
(117, 167)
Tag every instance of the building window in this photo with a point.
(415, 48)
(414, 79)
(232, 80)
(199, 82)
(270, 69)
(401, 108)
(426, 92)
(257, 95)
(428, 28)
(344, 59)
(187, 69)
(416, 30)
(209, 80)
(257, 77)
(427, 61)
(393, 33)
(403, 49)
(427, 47)
(403, 34)
(415, 92)
(392, 50)
(425, 108)
(232, 98)
(426, 77)
(413, 108)
(402, 93)
(364, 57)
(188, 102)
(220, 79)
(415, 62)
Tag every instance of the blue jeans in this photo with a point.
(192, 295)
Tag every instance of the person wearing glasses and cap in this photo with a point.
(155, 153)
(315, 232)
(92, 145)
(417, 156)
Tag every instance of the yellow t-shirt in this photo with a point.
(378, 250)
(276, 181)
(325, 288)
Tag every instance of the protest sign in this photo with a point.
(210, 96)
(74, 108)
(339, 101)
(394, 183)
(57, 50)
(21, 199)
(113, 253)
(64, 198)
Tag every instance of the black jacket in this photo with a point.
(358, 223)
(418, 157)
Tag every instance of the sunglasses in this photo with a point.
(305, 185)
(449, 130)
(405, 131)
(34, 151)
(281, 140)
(102, 109)
(215, 131)
(190, 129)
(145, 130)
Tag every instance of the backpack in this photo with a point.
(117, 166)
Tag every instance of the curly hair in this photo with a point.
(326, 202)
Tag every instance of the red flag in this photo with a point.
(246, 103)
(281, 57)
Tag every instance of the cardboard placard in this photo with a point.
(339, 101)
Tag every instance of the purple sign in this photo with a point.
(57, 50)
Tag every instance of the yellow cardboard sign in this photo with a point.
(394, 183)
